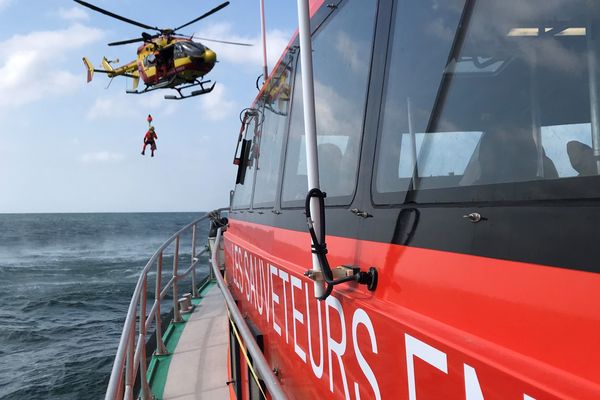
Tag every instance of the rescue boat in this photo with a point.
(415, 216)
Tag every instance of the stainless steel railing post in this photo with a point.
(193, 259)
(176, 311)
(211, 247)
(160, 345)
(129, 374)
(130, 354)
(146, 394)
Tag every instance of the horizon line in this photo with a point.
(101, 212)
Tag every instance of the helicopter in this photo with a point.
(165, 60)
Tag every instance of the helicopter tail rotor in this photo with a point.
(90, 69)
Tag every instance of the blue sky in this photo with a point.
(69, 146)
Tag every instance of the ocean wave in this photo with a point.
(66, 281)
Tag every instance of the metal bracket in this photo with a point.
(343, 271)
(346, 271)
(474, 217)
(360, 213)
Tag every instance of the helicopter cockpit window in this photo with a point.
(150, 60)
(190, 49)
(498, 105)
(178, 50)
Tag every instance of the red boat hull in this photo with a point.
(440, 325)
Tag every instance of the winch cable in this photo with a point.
(319, 246)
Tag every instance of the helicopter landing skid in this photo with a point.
(201, 91)
(161, 85)
(169, 84)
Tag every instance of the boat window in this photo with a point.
(342, 58)
(243, 190)
(275, 108)
(509, 95)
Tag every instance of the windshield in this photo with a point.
(191, 49)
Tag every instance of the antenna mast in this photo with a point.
(310, 125)
(264, 39)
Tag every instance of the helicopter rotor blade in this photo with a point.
(127, 41)
(116, 16)
(224, 41)
(214, 10)
(146, 37)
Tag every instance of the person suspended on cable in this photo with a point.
(149, 139)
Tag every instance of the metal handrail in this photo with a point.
(258, 358)
(131, 353)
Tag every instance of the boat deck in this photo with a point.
(198, 367)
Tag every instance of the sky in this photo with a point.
(71, 146)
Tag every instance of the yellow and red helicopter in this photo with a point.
(164, 60)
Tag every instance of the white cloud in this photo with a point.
(101, 157)
(122, 105)
(72, 14)
(4, 4)
(30, 65)
(215, 105)
(351, 51)
(113, 107)
(277, 41)
(60, 41)
(330, 104)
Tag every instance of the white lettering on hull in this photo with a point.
(256, 281)
(297, 317)
(360, 317)
(427, 353)
(472, 388)
(274, 298)
(339, 348)
(317, 368)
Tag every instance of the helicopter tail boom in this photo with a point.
(128, 70)
(90, 69)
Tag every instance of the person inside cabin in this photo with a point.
(582, 158)
(150, 139)
(507, 151)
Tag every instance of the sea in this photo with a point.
(66, 282)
